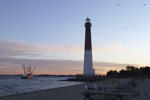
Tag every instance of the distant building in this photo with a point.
(88, 62)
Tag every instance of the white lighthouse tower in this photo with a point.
(88, 62)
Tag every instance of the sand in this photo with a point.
(73, 92)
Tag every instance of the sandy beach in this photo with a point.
(73, 92)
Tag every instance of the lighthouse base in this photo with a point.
(88, 63)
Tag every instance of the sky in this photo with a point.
(50, 34)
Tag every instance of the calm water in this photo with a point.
(10, 85)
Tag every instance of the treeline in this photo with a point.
(130, 71)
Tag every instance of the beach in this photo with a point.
(74, 92)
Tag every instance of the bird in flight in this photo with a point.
(118, 4)
(144, 4)
(125, 27)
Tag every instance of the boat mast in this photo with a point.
(24, 68)
(30, 69)
(33, 69)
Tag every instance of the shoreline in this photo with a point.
(14, 85)
(41, 94)
(39, 90)
(67, 93)
(73, 92)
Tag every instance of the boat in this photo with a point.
(28, 74)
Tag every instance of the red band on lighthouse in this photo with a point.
(88, 42)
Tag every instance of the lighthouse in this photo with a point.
(88, 62)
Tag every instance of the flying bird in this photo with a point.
(125, 27)
(144, 4)
(118, 4)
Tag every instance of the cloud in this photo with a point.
(102, 49)
(17, 48)
(118, 48)
(14, 48)
(138, 52)
(55, 67)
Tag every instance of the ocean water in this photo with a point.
(10, 85)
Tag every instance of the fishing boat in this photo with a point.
(28, 74)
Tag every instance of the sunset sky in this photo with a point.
(50, 34)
